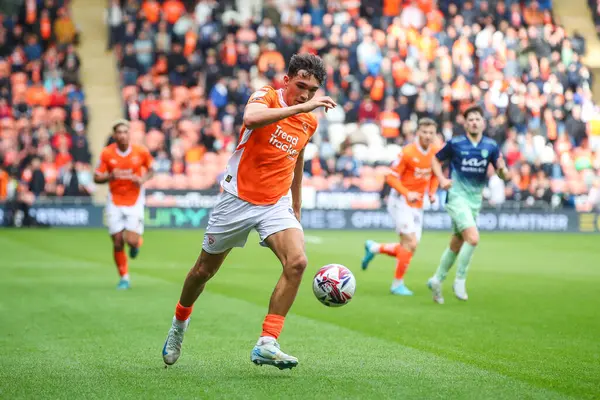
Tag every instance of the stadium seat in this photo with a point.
(337, 134)
(310, 150)
(374, 153)
(372, 133)
(367, 171)
(163, 181)
(361, 152)
(319, 183)
(180, 182)
(369, 184)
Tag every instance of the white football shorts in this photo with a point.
(129, 218)
(232, 219)
(408, 219)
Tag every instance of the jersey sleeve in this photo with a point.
(102, 165)
(394, 177)
(494, 155)
(265, 95)
(445, 152)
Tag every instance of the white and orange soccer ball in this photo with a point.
(334, 285)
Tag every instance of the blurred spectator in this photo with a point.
(43, 117)
(389, 63)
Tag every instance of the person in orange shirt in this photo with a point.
(411, 179)
(173, 9)
(125, 167)
(263, 171)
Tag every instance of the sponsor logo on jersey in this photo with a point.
(284, 142)
(422, 173)
(474, 165)
(473, 162)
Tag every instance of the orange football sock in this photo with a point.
(272, 325)
(183, 313)
(391, 249)
(403, 258)
(121, 262)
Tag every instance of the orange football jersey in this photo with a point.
(412, 172)
(136, 160)
(261, 169)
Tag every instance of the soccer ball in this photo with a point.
(334, 285)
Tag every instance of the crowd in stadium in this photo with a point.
(595, 11)
(43, 115)
(187, 69)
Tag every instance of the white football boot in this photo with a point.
(267, 352)
(436, 290)
(460, 289)
(172, 349)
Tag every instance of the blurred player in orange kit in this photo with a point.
(267, 163)
(126, 167)
(411, 179)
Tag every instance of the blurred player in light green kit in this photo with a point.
(469, 157)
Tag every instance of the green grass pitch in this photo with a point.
(529, 331)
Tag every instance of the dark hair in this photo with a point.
(118, 123)
(473, 109)
(310, 63)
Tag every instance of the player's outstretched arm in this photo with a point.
(257, 115)
(297, 185)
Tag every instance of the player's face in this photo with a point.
(121, 136)
(474, 124)
(426, 135)
(301, 88)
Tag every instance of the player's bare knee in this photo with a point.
(410, 244)
(295, 266)
(201, 272)
(472, 238)
(118, 243)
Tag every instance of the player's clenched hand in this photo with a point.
(137, 180)
(445, 183)
(413, 197)
(500, 163)
(316, 102)
(432, 198)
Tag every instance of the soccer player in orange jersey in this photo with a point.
(125, 167)
(267, 163)
(411, 179)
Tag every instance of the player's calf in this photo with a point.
(206, 266)
(121, 260)
(134, 241)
